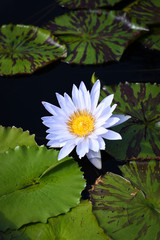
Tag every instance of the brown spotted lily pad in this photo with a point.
(129, 205)
(94, 37)
(147, 11)
(141, 133)
(152, 39)
(23, 49)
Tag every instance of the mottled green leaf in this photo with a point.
(24, 48)
(141, 133)
(129, 207)
(78, 224)
(94, 37)
(12, 137)
(147, 11)
(30, 193)
(152, 39)
(74, 4)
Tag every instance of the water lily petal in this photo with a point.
(93, 144)
(101, 143)
(68, 147)
(122, 118)
(111, 122)
(95, 158)
(49, 107)
(111, 135)
(95, 92)
(82, 147)
(100, 131)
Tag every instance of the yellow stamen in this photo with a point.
(81, 123)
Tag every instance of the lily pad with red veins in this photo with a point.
(94, 37)
(129, 205)
(141, 133)
(23, 49)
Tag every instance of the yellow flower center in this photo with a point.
(81, 123)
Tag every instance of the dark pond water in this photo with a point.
(21, 96)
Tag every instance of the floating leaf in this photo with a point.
(74, 4)
(12, 137)
(141, 133)
(152, 40)
(129, 207)
(147, 11)
(79, 223)
(23, 49)
(34, 186)
(94, 37)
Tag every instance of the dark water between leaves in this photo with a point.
(21, 96)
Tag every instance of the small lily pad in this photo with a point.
(94, 37)
(129, 205)
(34, 186)
(23, 49)
(141, 133)
(147, 11)
(79, 223)
(12, 137)
(90, 4)
(152, 40)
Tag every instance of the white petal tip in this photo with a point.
(97, 162)
(59, 158)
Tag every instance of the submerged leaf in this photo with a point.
(23, 49)
(129, 207)
(141, 133)
(94, 37)
(12, 137)
(74, 4)
(27, 194)
(147, 11)
(79, 223)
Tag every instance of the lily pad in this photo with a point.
(129, 207)
(34, 186)
(147, 11)
(75, 4)
(79, 223)
(152, 40)
(12, 137)
(141, 133)
(23, 49)
(94, 37)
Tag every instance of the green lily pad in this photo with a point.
(129, 207)
(74, 4)
(34, 186)
(141, 133)
(79, 223)
(23, 49)
(12, 137)
(147, 11)
(152, 40)
(94, 37)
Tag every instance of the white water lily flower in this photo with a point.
(80, 122)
